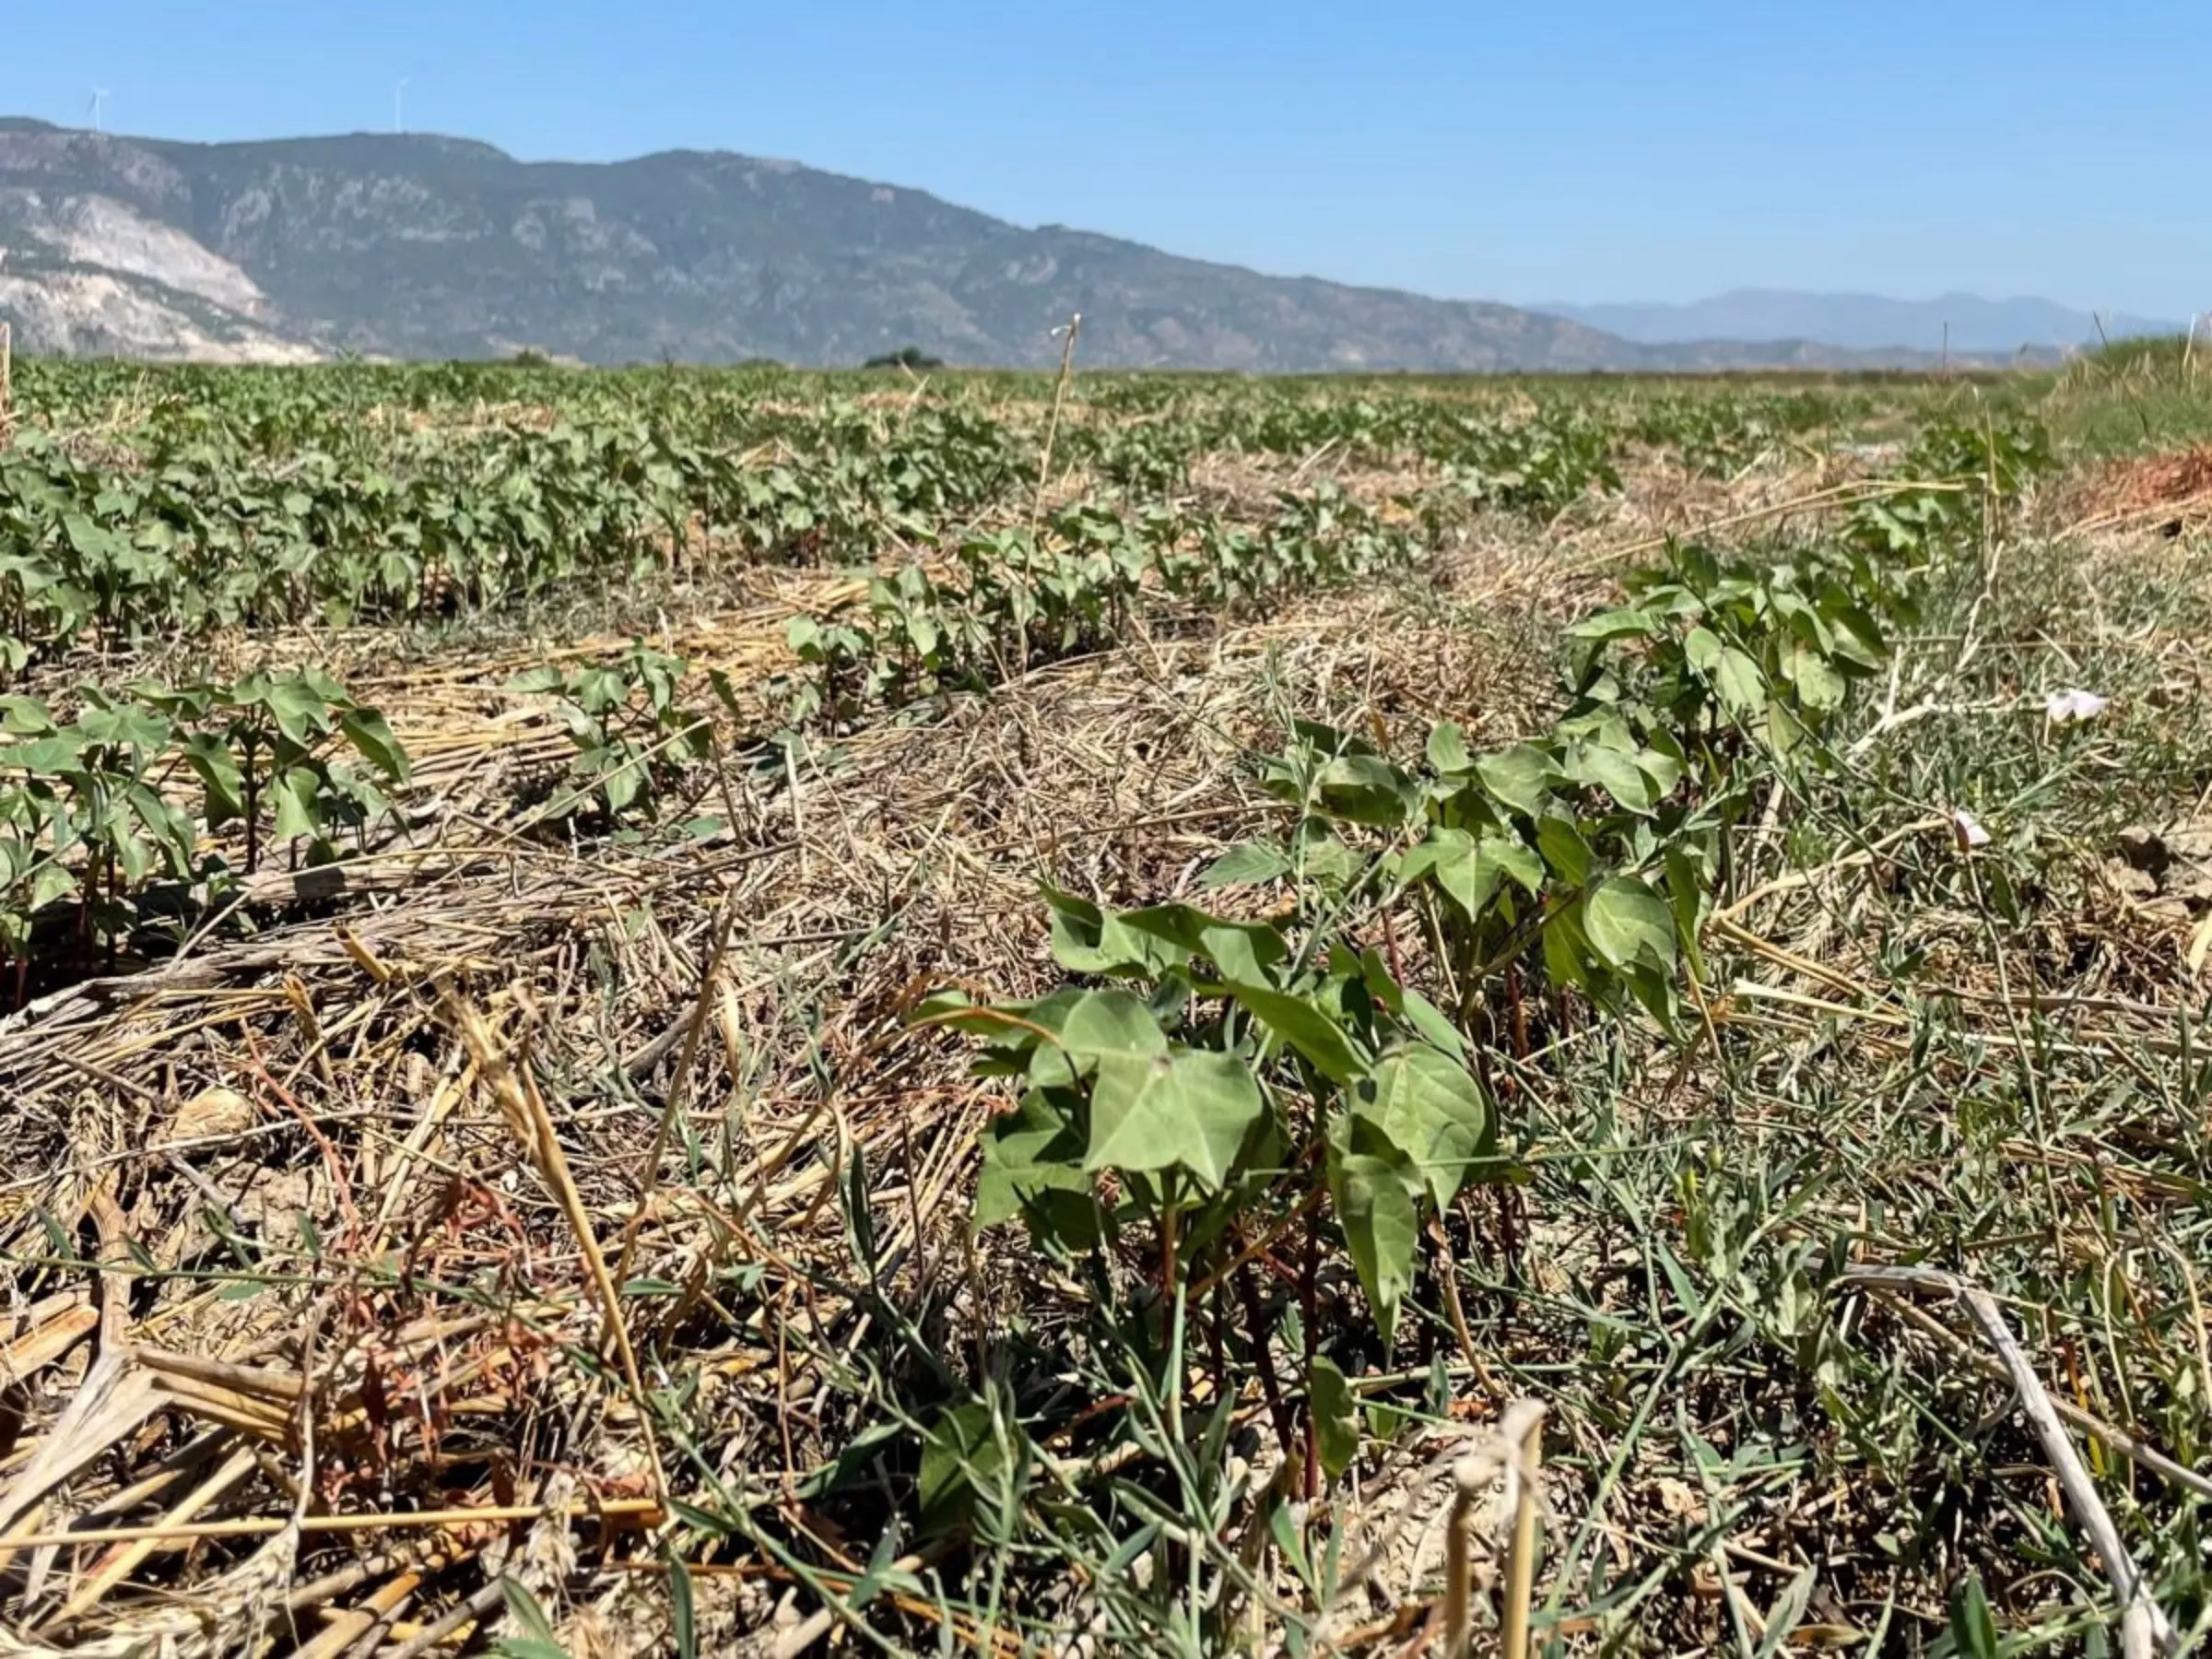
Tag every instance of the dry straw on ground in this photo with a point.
(476, 1088)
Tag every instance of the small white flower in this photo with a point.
(1968, 829)
(2063, 708)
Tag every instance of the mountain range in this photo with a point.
(420, 246)
(1959, 322)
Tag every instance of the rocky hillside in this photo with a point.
(1960, 322)
(423, 246)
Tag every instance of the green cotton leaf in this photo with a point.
(1336, 1416)
(217, 768)
(1612, 625)
(49, 882)
(1079, 927)
(124, 725)
(1784, 730)
(1033, 1168)
(725, 693)
(1304, 1025)
(1429, 1021)
(43, 757)
(1087, 939)
(1191, 1111)
(1858, 638)
(1615, 771)
(89, 541)
(1741, 682)
(1626, 922)
(318, 681)
(1431, 1110)
(371, 738)
(1663, 770)
(298, 793)
(1326, 859)
(299, 710)
(540, 680)
(1363, 789)
(1517, 859)
(1416, 1010)
(601, 691)
(1818, 684)
(1567, 948)
(1248, 866)
(1449, 858)
(1242, 950)
(1327, 740)
(1564, 849)
(171, 827)
(1519, 778)
(1105, 1024)
(618, 781)
(1416, 864)
(1447, 748)
(1470, 868)
(1381, 1230)
(132, 855)
(367, 800)
(1703, 649)
(1797, 611)
(26, 717)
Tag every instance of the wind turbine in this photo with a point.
(100, 96)
(399, 93)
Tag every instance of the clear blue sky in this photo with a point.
(1567, 149)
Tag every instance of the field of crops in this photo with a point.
(749, 1012)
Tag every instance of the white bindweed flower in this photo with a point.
(2064, 708)
(1968, 829)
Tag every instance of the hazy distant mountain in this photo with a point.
(1862, 321)
(420, 246)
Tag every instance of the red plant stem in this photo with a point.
(1390, 949)
(1519, 1008)
(1217, 1340)
(252, 804)
(108, 875)
(1258, 1250)
(1167, 1291)
(1508, 1232)
(331, 1160)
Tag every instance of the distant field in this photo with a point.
(756, 1013)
